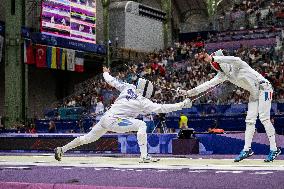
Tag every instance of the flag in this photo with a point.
(29, 57)
(268, 96)
(41, 56)
(53, 58)
(1, 46)
(63, 60)
(70, 60)
(48, 56)
(79, 62)
(58, 58)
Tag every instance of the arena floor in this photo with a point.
(89, 171)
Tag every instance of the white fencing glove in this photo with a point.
(181, 92)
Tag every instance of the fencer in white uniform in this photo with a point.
(121, 117)
(238, 72)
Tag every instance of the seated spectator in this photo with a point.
(71, 103)
(52, 127)
(32, 128)
(20, 128)
(71, 131)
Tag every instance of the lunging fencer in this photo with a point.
(238, 72)
(121, 117)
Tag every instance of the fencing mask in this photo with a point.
(145, 88)
(218, 53)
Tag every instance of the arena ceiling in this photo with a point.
(186, 8)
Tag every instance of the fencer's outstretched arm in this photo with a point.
(151, 107)
(219, 78)
(231, 60)
(114, 82)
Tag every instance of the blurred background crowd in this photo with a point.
(177, 67)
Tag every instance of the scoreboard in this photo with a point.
(72, 19)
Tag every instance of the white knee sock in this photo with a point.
(270, 131)
(250, 129)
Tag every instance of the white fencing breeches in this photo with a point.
(123, 125)
(261, 108)
(118, 125)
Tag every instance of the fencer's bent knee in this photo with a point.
(264, 118)
(88, 138)
(250, 125)
(84, 139)
(250, 121)
(251, 118)
(266, 123)
(270, 130)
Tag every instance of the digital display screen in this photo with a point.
(72, 19)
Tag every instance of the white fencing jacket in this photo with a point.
(130, 103)
(236, 71)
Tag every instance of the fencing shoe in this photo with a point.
(244, 155)
(272, 155)
(148, 159)
(58, 153)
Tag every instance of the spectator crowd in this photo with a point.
(250, 14)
